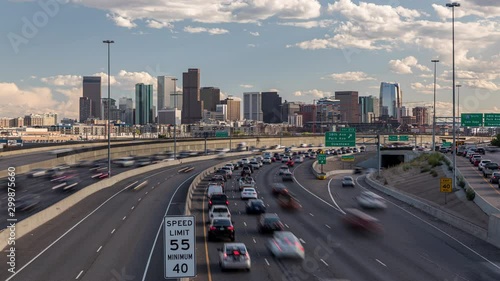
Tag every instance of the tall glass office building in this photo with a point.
(391, 101)
(143, 104)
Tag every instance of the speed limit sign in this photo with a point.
(180, 246)
(445, 185)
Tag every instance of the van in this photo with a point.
(214, 188)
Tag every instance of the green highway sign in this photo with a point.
(393, 138)
(350, 130)
(322, 159)
(340, 139)
(492, 120)
(472, 119)
(446, 144)
(347, 158)
(404, 138)
(221, 134)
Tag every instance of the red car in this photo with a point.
(476, 162)
(290, 163)
(273, 159)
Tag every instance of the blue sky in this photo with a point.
(305, 49)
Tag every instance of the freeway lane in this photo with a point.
(114, 241)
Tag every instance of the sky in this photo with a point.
(304, 49)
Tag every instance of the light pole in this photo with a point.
(228, 102)
(175, 117)
(434, 109)
(109, 42)
(452, 6)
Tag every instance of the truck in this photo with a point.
(489, 168)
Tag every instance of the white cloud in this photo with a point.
(158, 25)
(251, 45)
(63, 80)
(314, 93)
(122, 21)
(256, 33)
(273, 90)
(355, 76)
(309, 24)
(212, 31)
(428, 88)
(480, 8)
(246, 86)
(405, 65)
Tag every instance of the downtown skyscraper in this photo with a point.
(192, 106)
(391, 101)
(166, 92)
(92, 97)
(143, 104)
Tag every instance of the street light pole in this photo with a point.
(229, 101)
(452, 6)
(175, 117)
(434, 109)
(458, 108)
(109, 42)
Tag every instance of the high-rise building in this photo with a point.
(421, 114)
(349, 108)
(114, 112)
(391, 101)
(368, 108)
(289, 109)
(252, 106)
(49, 119)
(165, 91)
(143, 104)
(295, 120)
(85, 109)
(92, 90)
(210, 97)
(33, 120)
(126, 107)
(271, 108)
(170, 116)
(233, 108)
(192, 106)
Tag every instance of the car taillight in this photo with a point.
(299, 246)
(210, 202)
(212, 228)
(227, 202)
(230, 228)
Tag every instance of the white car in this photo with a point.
(347, 181)
(255, 165)
(245, 161)
(248, 193)
(285, 159)
(370, 200)
(298, 159)
(482, 163)
(267, 160)
(285, 245)
(246, 182)
(229, 171)
(234, 256)
(230, 165)
(284, 169)
(219, 211)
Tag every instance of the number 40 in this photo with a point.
(182, 268)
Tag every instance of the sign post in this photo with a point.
(180, 248)
(445, 185)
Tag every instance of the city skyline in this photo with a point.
(304, 50)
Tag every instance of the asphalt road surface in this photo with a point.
(108, 236)
(413, 245)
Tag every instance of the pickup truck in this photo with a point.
(489, 168)
(219, 211)
(246, 182)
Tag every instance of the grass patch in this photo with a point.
(469, 192)
(424, 169)
(434, 173)
(406, 167)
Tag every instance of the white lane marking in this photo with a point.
(146, 193)
(327, 226)
(268, 205)
(254, 240)
(297, 182)
(124, 218)
(160, 227)
(323, 262)
(302, 241)
(245, 223)
(286, 225)
(331, 196)
(132, 208)
(158, 183)
(113, 231)
(140, 199)
(153, 187)
(381, 262)
(79, 274)
(236, 204)
(99, 249)
(3, 198)
(266, 261)
(132, 184)
(438, 229)
(311, 214)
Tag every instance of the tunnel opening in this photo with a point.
(392, 160)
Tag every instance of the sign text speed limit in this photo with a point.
(180, 258)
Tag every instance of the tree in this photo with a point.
(496, 141)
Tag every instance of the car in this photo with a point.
(245, 161)
(219, 211)
(481, 150)
(248, 193)
(370, 200)
(474, 157)
(290, 163)
(228, 170)
(223, 173)
(285, 244)
(283, 169)
(220, 228)
(218, 199)
(358, 220)
(268, 223)
(482, 164)
(279, 188)
(298, 159)
(217, 178)
(214, 188)
(347, 181)
(144, 162)
(255, 165)
(267, 160)
(234, 256)
(494, 177)
(255, 206)
(66, 181)
(285, 159)
(35, 173)
(287, 176)
(246, 170)
(124, 161)
(246, 182)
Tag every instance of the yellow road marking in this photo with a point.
(207, 259)
(486, 180)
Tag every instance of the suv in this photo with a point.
(221, 228)
(269, 223)
(480, 150)
(489, 168)
(218, 199)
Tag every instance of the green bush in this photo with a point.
(461, 183)
(435, 159)
(434, 173)
(469, 192)
(424, 169)
(406, 167)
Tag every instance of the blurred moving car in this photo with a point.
(279, 188)
(234, 256)
(268, 223)
(370, 200)
(35, 173)
(347, 181)
(221, 228)
(27, 202)
(285, 245)
(66, 181)
(288, 201)
(358, 220)
(255, 206)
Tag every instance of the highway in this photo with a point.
(24, 159)
(413, 246)
(108, 236)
